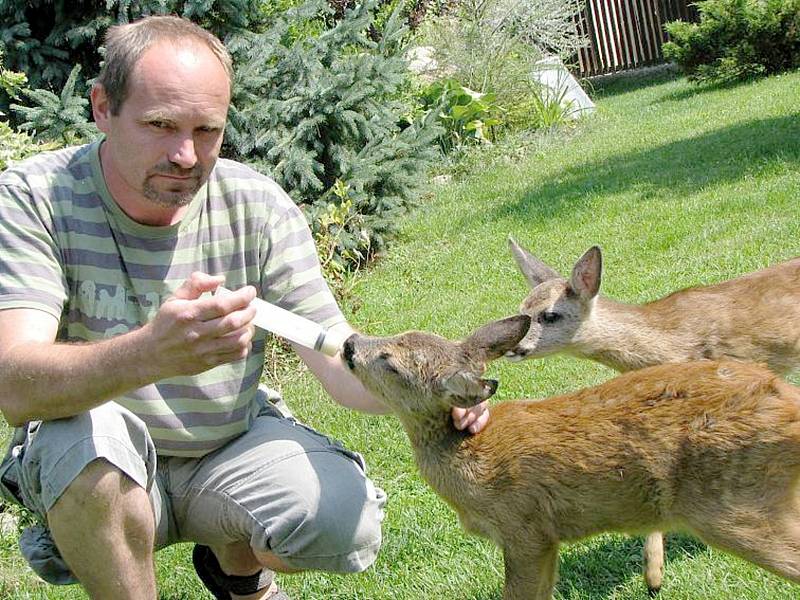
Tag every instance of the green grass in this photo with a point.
(680, 186)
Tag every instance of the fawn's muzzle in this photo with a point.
(348, 350)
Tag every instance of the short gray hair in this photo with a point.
(126, 43)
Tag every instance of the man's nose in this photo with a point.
(184, 154)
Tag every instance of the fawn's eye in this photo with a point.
(549, 317)
(388, 366)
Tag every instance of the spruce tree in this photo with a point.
(311, 110)
(317, 99)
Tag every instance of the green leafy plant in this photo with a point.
(11, 82)
(317, 109)
(15, 145)
(551, 109)
(57, 117)
(342, 240)
(466, 115)
(494, 46)
(736, 39)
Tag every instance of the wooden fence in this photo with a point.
(626, 34)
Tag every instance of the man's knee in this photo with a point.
(100, 483)
(104, 495)
(76, 452)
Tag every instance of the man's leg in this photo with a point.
(104, 528)
(281, 496)
(88, 478)
(238, 559)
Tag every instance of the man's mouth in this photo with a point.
(176, 177)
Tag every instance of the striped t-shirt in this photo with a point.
(68, 249)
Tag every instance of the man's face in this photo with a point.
(161, 147)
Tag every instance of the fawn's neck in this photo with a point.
(629, 336)
(436, 444)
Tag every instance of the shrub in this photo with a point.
(737, 39)
(316, 99)
(493, 47)
(17, 146)
(59, 117)
(465, 115)
(14, 145)
(314, 110)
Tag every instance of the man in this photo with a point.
(112, 351)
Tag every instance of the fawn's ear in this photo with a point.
(466, 389)
(534, 270)
(495, 339)
(586, 274)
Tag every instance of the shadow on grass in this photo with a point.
(696, 89)
(724, 155)
(606, 86)
(598, 570)
(596, 573)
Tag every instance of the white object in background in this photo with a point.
(293, 327)
(551, 73)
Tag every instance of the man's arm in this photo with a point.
(41, 379)
(348, 391)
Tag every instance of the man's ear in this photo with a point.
(466, 389)
(101, 107)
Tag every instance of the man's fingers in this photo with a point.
(473, 419)
(196, 285)
(224, 316)
(480, 422)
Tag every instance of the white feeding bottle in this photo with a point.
(293, 327)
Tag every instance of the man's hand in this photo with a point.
(191, 334)
(472, 419)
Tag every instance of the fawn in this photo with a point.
(755, 318)
(711, 448)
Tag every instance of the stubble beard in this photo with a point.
(173, 198)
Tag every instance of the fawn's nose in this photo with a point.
(348, 350)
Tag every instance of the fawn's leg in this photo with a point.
(766, 536)
(531, 572)
(653, 558)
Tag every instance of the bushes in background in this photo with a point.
(316, 99)
(15, 145)
(316, 110)
(494, 47)
(737, 39)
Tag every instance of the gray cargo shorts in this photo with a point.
(281, 486)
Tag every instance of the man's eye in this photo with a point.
(159, 124)
(549, 317)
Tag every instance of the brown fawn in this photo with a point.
(710, 448)
(754, 318)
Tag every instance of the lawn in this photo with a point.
(679, 185)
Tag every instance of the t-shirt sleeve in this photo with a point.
(291, 274)
(31, 269)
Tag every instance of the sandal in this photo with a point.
(221, 585)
